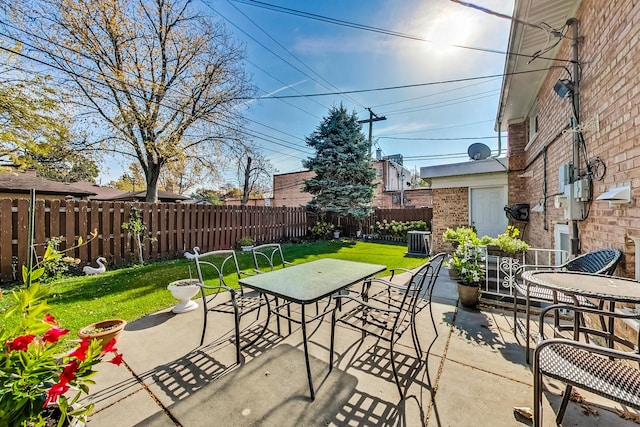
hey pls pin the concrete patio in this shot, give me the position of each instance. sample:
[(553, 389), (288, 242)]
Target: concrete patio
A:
[(475, 374)]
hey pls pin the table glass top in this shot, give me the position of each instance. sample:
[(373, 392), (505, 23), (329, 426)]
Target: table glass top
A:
[(312, 281), (600, 286)]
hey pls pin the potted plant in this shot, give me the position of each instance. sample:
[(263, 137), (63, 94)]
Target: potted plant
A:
[(458, 235), (184, 290), (468, 264), (35, 359), (507, 244), (104, 331), (246, 243)]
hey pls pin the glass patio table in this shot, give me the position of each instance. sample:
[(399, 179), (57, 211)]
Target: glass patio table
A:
[(308, 283), (596, 286)]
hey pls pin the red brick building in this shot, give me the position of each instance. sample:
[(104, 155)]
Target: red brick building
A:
[(393, 189)]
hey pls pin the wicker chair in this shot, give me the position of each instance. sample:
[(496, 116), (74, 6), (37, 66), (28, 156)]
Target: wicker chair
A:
[(600, 370), (602, 261), (214, 266), (387, 314)]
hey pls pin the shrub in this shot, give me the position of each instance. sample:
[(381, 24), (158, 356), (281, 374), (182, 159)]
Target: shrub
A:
[(322, 230), (397, 228)]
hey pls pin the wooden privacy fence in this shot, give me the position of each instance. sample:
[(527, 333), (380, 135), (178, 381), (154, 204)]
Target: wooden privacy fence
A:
[(174, 227)]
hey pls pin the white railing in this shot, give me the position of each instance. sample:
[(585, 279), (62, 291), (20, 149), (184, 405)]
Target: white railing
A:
[(503, 271)]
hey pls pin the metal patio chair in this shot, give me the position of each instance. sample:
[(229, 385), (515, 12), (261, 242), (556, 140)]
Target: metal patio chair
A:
[(604, 371), (388, 313), (602, 261), (213, 266)]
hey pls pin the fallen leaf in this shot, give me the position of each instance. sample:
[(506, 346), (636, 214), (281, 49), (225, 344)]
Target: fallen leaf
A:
[(524, 411), (628, 415), (576, 397), (267, 373), (589, 410)]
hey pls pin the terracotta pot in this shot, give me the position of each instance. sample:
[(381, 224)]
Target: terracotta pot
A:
[(104, 331), (468, 295)]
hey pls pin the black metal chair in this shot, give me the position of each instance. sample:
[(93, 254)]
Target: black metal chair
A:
[(602, 261), (600, 370), (268, 257), (213, 266), (388, 313)]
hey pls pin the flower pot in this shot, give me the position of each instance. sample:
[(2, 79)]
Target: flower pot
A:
[(452, 274), (184, 290), (468, 295), (246, 248), (358, 234), (105, 330), (336, 234)]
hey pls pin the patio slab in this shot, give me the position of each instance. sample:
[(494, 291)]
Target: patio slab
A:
[(473, 373)]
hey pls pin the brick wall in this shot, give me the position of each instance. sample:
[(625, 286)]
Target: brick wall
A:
[(287, 189), (450, 209), (609, 90)]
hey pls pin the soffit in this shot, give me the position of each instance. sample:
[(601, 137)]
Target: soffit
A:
[(519, 90)]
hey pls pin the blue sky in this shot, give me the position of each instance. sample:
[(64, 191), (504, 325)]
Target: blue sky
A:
[(304, 56)]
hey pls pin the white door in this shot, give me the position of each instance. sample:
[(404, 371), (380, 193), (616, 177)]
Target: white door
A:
[(486, 207)]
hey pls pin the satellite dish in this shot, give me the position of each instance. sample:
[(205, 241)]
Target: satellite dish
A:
[(478, 151)]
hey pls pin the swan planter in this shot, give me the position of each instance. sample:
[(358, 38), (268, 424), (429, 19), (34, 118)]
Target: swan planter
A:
[(89, 270), (184, 290)]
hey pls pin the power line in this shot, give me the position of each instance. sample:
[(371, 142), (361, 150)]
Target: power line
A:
[(363, 27), (437, 139), (380, 89), (330, 85)]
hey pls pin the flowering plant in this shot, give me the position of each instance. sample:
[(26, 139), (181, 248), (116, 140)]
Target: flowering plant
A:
[(35, 371), (468, 263), (510, 242)]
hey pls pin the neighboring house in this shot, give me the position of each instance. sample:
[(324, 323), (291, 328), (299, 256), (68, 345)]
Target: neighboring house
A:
[(139, 196), (393, 189), (469, 193), (100, 192), (584, 178), (18, 184)]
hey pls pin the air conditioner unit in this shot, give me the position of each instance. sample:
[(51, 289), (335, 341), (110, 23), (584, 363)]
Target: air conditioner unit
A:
[(417, 242)]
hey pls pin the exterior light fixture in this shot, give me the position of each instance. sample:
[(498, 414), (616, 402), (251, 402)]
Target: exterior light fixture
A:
[(563, 87)]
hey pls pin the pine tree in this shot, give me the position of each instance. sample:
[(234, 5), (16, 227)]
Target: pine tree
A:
[(343, 183)]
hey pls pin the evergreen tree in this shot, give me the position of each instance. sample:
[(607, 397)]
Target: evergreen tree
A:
[(343, 183)]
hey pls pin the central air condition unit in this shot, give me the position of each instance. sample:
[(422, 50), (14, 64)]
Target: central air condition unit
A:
[(417, 242)]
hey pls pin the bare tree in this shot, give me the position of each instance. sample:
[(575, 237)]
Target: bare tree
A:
[(166, 81), (254, 172)]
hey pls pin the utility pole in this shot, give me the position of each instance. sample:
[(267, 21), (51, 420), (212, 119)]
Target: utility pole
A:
[(372, 118)]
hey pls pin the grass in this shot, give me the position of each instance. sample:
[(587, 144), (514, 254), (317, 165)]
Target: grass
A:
[(133, 292)]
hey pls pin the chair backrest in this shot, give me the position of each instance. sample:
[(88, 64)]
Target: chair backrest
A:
[(427, 273), (268, 257), (215, 265), (602, 261)]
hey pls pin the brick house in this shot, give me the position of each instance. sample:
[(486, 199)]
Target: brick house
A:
[(473, 192), (564, 167), (392, 180)]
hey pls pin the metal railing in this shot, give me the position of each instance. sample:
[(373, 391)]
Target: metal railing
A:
[(503, 271)]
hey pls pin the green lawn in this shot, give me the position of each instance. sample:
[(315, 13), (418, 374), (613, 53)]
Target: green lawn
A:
[(130, 293)]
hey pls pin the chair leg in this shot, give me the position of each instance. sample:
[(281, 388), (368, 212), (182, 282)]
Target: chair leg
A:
[(237, 322), (537, 394), (563, 405), (333, 333), (395, 372), (433, 320)]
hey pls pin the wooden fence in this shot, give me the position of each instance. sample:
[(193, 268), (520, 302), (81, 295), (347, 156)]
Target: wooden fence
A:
[(171, 228), (174, 228)]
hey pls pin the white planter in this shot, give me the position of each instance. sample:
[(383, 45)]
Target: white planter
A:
[(246, 248), (358, 234), (184, 290), (336, 234)]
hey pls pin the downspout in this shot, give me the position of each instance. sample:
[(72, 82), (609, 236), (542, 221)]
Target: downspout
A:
[(573, 22)]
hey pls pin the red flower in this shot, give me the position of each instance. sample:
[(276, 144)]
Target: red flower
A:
[(54, 392), (69, 372), (110, 347), (20, 343), (50, 319), (54, 334), (80, 353), (117, 360)]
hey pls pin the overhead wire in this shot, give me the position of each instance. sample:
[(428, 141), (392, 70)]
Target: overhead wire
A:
[(363, 27), (330, 85)]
